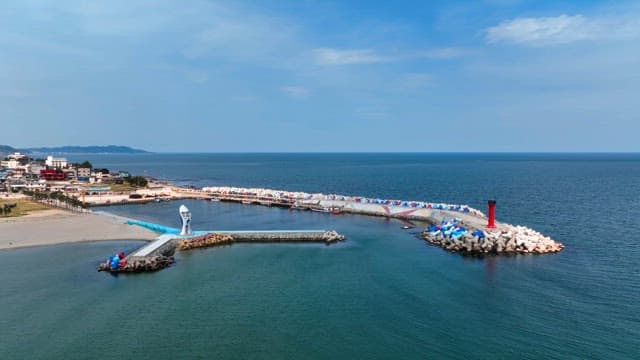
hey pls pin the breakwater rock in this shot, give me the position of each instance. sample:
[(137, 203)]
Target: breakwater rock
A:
[(212, 239), (139, 264), (215, 239), (503, 240), (332, 236)]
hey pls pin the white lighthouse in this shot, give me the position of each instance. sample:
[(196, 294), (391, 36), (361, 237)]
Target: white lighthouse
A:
[(185, 215)]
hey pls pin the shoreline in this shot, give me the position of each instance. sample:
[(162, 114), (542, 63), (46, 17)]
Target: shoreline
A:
[(55, 227), (475, 237)]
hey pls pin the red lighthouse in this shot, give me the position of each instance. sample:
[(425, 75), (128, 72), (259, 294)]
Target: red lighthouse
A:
[(492, 214)]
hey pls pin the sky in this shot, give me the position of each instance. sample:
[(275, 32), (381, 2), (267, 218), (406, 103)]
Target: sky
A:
[(322, 76)]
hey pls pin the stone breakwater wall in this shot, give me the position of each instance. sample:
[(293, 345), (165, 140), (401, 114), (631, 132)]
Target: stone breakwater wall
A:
[(136, 264), (327, 237), (223, 238), (212, 239), (162, 256), (503, 240)]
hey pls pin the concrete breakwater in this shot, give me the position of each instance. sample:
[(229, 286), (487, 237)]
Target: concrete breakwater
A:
[(503, 238), (365, 205)]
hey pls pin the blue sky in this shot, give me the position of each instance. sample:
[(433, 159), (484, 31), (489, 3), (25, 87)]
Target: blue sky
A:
[(209, 76)]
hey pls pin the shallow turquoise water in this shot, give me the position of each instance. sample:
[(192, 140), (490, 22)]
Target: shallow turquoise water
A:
[(381, 294)]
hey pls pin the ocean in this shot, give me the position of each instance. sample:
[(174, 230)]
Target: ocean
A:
[(381, 294)]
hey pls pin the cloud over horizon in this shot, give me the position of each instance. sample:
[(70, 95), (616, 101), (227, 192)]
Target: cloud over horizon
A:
[(563, 29)]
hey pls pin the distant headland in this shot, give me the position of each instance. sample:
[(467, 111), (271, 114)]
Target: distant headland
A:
[(108, 149)]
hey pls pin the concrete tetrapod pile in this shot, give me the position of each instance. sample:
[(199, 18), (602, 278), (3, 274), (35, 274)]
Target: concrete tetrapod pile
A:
[(504, 239)]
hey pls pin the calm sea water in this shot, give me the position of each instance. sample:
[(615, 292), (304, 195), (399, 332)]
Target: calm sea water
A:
[(381, 294)]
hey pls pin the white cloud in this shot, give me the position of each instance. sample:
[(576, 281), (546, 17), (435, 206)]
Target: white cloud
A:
[(247, 37), (329, 56), (332, 57), (297, 92), (563, 29)]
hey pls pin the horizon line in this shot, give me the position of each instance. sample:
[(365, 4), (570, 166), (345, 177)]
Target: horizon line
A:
[(368, 152)]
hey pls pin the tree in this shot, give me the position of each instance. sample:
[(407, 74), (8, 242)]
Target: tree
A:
[(86, 164), (139, 181)]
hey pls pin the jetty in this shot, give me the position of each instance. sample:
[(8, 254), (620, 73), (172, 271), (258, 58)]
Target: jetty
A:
[(158, 254)]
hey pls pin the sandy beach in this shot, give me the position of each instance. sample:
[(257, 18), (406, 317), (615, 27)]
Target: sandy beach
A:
[(50, 227)]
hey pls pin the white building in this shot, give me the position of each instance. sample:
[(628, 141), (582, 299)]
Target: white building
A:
[(14, 161), (16, 156), (56, 162), (10, 164), (84, 173)]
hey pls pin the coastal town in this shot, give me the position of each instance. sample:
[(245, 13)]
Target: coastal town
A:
[(57, 181)]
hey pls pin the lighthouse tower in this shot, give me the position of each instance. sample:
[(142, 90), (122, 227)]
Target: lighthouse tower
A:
[(185, 216)]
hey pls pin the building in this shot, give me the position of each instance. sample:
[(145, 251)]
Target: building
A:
[(84, 173), (56, 162), (99, 175), (52, 174), (70, 174), (17, 156), (10, 164), (34, 168), (98, 190), (36, 186), (14, 161)]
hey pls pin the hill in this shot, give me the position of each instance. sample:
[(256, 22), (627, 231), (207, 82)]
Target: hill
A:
[(6, 150), (109, 149)]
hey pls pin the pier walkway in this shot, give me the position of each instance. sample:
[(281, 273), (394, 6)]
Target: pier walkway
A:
[(153, 246)]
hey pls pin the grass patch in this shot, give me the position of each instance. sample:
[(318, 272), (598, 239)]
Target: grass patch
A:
[(122, 187), (23, 207)]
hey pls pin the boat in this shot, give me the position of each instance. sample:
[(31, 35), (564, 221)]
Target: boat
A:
[(407, 227), (330, 210)]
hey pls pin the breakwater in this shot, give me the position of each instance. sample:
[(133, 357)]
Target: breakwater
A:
[(132, 264), (355, 204), (224, 238), (159, 253), (472, 233)]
